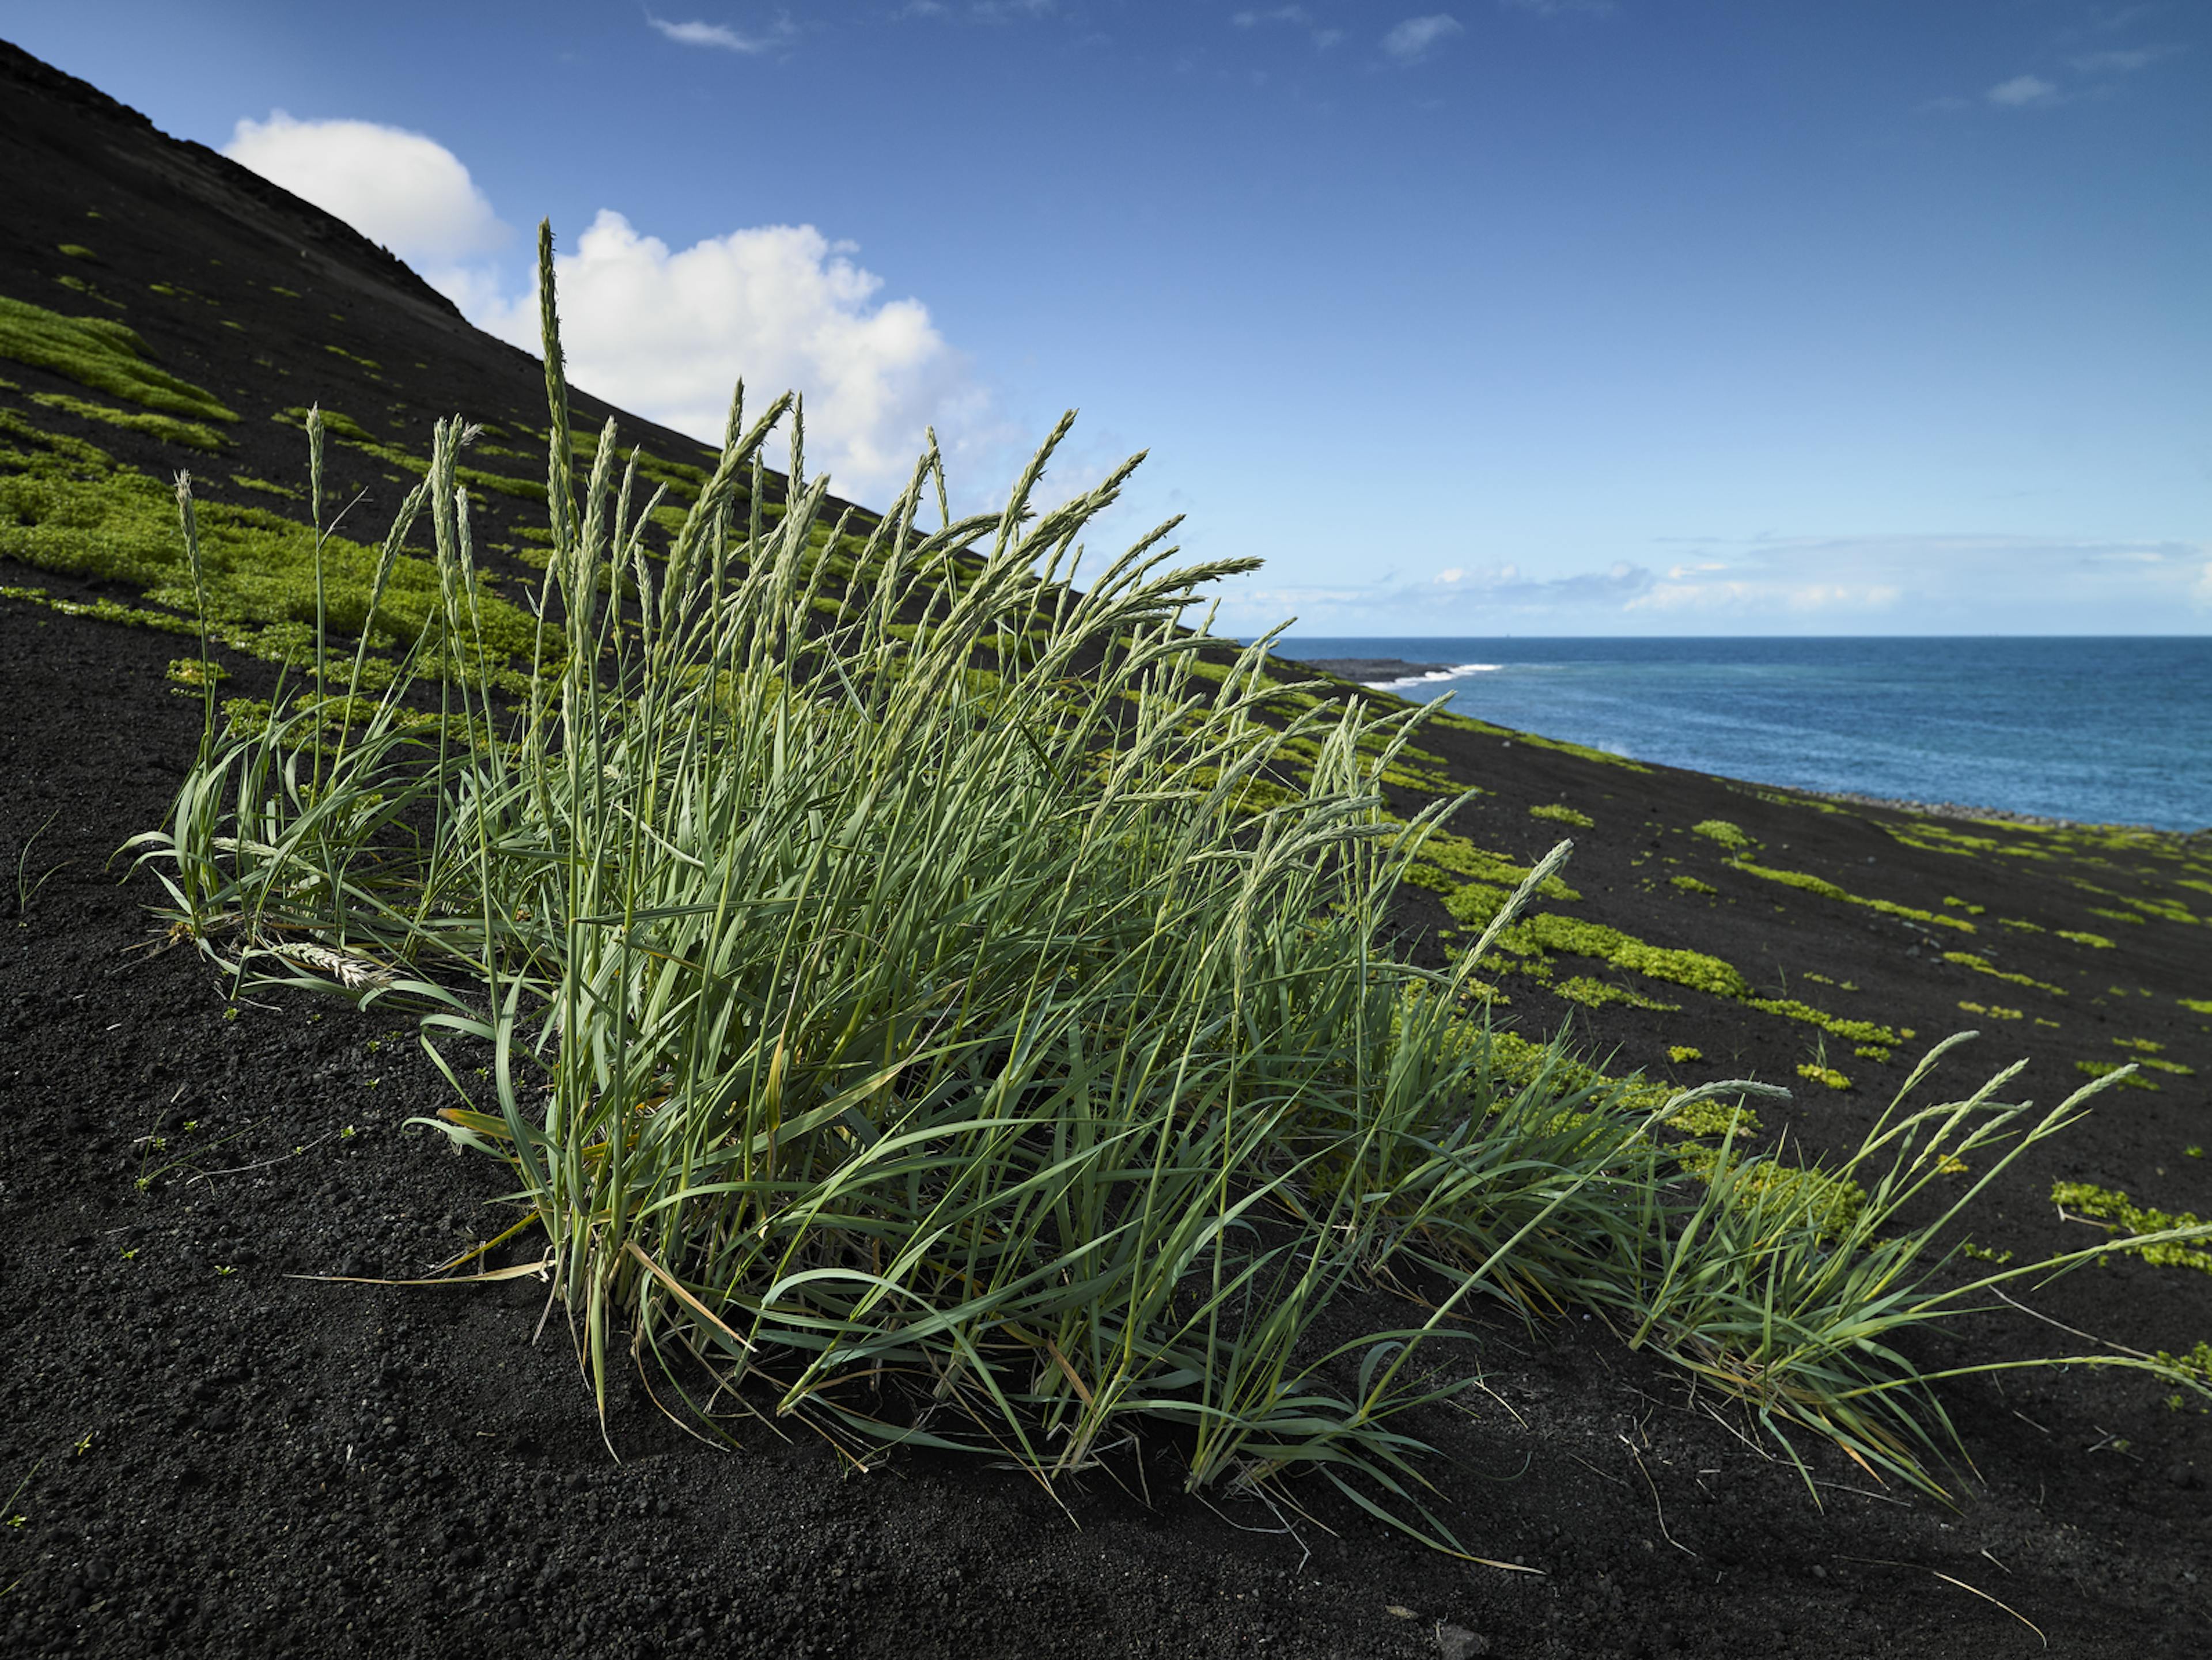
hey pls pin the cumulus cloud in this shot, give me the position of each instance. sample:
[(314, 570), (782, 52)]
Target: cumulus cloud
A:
[(2021, 91), (1411, 42), (722, 37), (662, 331), (667, 332), (403, 189)]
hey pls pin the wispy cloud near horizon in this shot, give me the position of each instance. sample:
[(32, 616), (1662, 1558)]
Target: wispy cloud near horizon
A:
[(1903, 583)]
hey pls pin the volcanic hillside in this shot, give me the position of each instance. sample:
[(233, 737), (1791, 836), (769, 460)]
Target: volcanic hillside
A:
[(212, 1451)]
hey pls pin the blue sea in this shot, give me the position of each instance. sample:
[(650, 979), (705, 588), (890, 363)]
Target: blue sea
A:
[(2112, 731)]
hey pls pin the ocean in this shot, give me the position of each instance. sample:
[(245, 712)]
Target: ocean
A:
[(2108, 730)]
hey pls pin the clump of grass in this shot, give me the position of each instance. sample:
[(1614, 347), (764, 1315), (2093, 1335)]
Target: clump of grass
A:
[(911, 1006)]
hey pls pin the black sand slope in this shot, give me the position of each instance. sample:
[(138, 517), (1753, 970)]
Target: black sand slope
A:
[(206, 1451)]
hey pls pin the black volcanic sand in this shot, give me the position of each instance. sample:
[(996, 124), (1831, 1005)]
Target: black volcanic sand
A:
[(221, 1453)]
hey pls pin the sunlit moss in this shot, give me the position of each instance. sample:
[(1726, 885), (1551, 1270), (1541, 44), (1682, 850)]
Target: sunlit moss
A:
[(1719, 830), (1983, 965), (70, 509), (192, 435), (2109, 1205), (1595, 993), (1560, 813), (2095, 941), (1683, 968), (104, 355), (2134, 1080), (1827, 890)]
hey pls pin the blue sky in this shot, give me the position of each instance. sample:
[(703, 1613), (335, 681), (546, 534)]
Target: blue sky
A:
[(1529, 316)]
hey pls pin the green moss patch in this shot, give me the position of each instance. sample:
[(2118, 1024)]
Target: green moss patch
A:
[(1983, 965), (2108, 1205), (1558, 745), (104, 355), (1719, 830), (1691, 884), (354, 435), (67, 508), (2095, 941), (1683, 968), (2134, 1080), (192, 435), (1595, 993), (1560, 814), (1827, 890)]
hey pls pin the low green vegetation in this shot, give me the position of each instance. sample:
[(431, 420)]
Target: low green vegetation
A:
[(911, 1012), (67, 506), (1596, 993), (1560, 813), (354, 435), (1828, 890), (1691, 884), (2145, 1232), (1983, 965), (101, 355), (1532, 740), (192, 435), (1720, 831), (2120, 1071)]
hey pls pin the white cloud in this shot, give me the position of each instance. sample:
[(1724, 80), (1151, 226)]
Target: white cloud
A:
[(1411, 41), (722, 37), (400, 188), (666, 333), (1296, 17), (1874, 584), (2124, 62), (2021, 91)]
